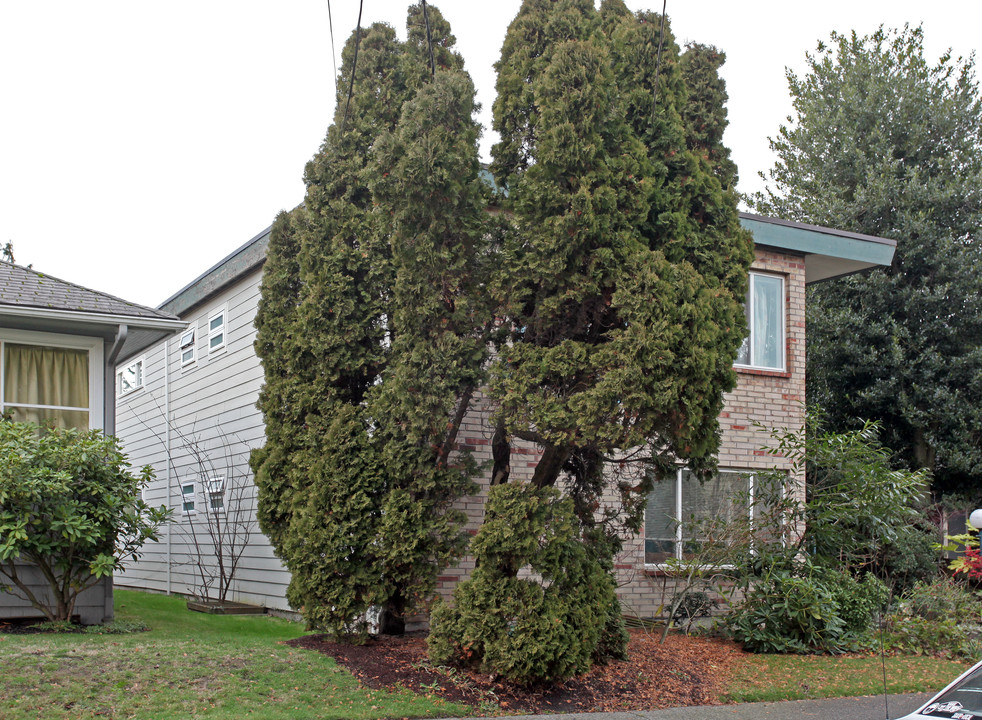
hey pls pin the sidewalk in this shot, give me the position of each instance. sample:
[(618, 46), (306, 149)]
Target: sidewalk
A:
[(855, 708)]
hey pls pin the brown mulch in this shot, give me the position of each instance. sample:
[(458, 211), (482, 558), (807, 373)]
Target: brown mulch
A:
[(682, 671)]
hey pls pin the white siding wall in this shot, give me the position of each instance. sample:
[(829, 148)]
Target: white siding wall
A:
[(212, 408)]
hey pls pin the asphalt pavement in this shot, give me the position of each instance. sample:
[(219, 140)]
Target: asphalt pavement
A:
[(855, 708)]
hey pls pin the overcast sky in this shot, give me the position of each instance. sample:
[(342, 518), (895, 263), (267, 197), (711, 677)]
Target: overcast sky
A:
[(140, 143)]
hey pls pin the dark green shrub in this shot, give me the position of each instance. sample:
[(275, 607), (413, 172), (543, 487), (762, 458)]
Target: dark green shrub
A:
[(861, 601), (784, 613), (544, 626)]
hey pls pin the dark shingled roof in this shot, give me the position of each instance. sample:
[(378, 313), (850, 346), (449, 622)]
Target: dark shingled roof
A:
[(23, 287)]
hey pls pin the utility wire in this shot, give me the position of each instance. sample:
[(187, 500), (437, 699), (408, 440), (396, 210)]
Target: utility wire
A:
[(429, 40), (354, 67), (661, 37), (334, 59)]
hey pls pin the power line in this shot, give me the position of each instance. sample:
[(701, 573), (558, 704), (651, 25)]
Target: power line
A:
[(661, 37), (354, 67), (429, 40), (334, 60)]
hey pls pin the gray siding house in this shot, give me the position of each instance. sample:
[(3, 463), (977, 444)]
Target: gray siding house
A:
[(59, 346), (195, 419)]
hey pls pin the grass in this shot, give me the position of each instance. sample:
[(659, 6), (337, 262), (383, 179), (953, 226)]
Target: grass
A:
[(188, 665), (767, 678), (191, 665)]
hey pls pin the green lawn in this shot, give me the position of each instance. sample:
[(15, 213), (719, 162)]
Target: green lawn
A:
[(189, 665), (765, 678)]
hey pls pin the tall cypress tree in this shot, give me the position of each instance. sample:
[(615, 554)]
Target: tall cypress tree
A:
[(622, 279), (354, 483)]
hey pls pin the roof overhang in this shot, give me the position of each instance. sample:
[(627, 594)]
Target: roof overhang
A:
[(216, 278), (141, 332), (828, 253)]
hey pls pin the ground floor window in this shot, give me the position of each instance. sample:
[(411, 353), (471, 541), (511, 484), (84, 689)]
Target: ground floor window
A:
[(679, 502), (48, 384)]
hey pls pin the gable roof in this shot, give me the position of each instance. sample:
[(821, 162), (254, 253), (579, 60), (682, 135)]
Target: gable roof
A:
[(30, 300)]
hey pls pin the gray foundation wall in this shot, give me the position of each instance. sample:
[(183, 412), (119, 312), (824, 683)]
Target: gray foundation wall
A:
[(93, 607)]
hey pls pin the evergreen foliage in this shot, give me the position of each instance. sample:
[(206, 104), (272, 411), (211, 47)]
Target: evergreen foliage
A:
[(600, 313), (545, 627), (625, 267), (372, 338), (887, 144)]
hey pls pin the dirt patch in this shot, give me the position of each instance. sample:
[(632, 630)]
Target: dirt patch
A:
[(682, 671)]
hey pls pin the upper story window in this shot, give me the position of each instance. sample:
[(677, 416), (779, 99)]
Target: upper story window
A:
[(763, 347), (187, 347), (129, 378), (187, 498), (678, 505), (44, 382), (215, 488), (217, 323)]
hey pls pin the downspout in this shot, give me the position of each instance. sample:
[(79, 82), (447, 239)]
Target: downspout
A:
[(167, 449), (109, 428), (109, 382)]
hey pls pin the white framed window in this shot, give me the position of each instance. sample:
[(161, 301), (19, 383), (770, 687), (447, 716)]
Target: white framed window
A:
[(130, 377), (187, 498), (765, 308), (217, 329), (215, 494), (186, 347), (677, 504), (51, 379)]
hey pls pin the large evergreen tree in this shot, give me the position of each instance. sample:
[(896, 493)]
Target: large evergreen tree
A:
[(371, 337), (887, 144), (621, 281)]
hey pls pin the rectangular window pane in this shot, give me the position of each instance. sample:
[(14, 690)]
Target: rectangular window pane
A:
[(215, 341), (216, 322), (659, 522), (767, 334), (36, 375), (719, 501), (187, 356)]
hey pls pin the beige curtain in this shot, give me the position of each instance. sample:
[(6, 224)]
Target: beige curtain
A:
[(47, 376)]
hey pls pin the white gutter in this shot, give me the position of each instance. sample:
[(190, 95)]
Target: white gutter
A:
[(134, 321)]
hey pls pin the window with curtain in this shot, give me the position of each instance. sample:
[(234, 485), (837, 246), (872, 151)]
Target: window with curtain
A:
[(46, 385), (765, 311), (682, 500)]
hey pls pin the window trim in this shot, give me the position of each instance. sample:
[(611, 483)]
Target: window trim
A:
[(97, 368), (141, 382), (221, 330), (783, 344), (191, 345), (679, 540)]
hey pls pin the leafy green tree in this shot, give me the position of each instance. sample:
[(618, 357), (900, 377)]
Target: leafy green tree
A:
[(885, 143), (70, 507), (373, 336)]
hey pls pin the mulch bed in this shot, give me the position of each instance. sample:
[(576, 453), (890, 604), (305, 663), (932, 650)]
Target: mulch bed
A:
[(682, 671)]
